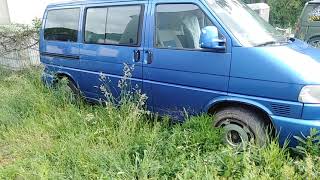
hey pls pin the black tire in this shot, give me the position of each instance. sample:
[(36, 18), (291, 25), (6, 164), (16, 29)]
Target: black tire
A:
[(76, 93), (75, 90), (315, 42), (241, 126)]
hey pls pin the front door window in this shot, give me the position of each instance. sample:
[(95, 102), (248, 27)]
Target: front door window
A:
[(178, 26)]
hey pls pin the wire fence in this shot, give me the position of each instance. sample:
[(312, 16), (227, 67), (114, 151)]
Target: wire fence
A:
[(22, 59)]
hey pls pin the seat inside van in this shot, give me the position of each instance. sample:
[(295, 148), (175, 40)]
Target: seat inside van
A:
[(178, 32)]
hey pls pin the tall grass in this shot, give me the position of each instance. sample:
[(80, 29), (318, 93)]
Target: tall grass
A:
[(44, 135)]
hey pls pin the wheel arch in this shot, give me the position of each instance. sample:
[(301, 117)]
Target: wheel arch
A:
[(59, 75), (254, 106), (314, 36)]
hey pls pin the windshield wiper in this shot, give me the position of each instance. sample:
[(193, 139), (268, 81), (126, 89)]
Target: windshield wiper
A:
[(274, 43), (267, 43)]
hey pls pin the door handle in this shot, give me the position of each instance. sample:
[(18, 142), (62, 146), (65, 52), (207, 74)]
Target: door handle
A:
[(136, 55), (149, 56)]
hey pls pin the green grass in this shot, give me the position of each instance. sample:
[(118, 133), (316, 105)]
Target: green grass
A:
[(43, 135)]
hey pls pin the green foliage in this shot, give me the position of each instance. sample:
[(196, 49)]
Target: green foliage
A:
[(310, 144), (44, 135), (36, 25), (285, 13)]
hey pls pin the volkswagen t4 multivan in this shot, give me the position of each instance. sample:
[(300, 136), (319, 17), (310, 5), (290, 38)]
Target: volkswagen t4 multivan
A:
[(195, 56)]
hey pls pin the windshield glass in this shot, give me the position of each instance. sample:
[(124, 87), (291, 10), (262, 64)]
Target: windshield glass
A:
[(245, 24)]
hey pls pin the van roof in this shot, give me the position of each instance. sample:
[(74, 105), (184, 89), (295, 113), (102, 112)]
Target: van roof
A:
[(83, 2), (314, 1)]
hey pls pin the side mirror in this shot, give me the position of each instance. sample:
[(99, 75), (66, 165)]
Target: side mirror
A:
[(209, 39)]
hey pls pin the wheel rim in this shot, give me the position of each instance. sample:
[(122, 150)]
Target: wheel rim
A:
[(236, 133), (315, 44)]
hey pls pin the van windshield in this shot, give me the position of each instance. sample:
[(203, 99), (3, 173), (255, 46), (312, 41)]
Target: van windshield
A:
[(245, 24)]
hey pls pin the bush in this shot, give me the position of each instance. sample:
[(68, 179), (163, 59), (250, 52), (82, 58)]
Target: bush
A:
[(17, 37)]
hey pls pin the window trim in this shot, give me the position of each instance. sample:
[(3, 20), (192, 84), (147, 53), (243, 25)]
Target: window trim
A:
[(182, 49), (140, 25), (46, 22)]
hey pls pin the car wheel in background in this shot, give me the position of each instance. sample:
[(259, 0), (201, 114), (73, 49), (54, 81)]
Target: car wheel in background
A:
[(315, 42)]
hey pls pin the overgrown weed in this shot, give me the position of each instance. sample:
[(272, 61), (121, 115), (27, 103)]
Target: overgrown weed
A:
[(44, 135)]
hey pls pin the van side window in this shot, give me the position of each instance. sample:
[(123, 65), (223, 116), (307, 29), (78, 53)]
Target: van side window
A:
[(62, 25), (118, 25), (96, 25), (178, 26)]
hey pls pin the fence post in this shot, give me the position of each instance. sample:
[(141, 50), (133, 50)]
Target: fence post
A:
[(4, 12)]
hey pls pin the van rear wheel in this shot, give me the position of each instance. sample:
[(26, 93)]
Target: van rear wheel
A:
[(74, 89), (241, 126), (71, 89)]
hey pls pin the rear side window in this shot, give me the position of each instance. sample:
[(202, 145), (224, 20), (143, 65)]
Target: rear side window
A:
[(96, 25), (62, 25), (117, 25)]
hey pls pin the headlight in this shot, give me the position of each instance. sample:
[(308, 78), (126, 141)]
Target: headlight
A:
[(310, 94)]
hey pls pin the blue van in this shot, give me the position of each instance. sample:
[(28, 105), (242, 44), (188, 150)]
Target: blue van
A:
[(196, 56)]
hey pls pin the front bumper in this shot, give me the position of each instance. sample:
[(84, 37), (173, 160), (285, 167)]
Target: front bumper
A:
[(289, 127)]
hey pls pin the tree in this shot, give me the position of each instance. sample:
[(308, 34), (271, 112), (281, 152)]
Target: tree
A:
[(285, 13)]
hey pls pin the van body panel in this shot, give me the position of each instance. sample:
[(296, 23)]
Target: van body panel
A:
[(178, 85), (270, 106), (98, 60), (311, 112), (289, 127), (58, 52), (193, 99), (180, 81), (58, 55), (266, 89), (296, 63), (107, 61)]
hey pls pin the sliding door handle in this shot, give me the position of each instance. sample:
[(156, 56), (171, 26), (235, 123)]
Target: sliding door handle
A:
[(149, 56), (136, 55)]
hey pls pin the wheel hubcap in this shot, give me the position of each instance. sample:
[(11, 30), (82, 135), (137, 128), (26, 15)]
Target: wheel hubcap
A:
[(234, 137), (236, 133)]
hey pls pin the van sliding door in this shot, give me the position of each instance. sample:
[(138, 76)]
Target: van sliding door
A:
[(113, 47)]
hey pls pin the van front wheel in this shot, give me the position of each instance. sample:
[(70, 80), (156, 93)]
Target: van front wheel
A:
[(241, 126)]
